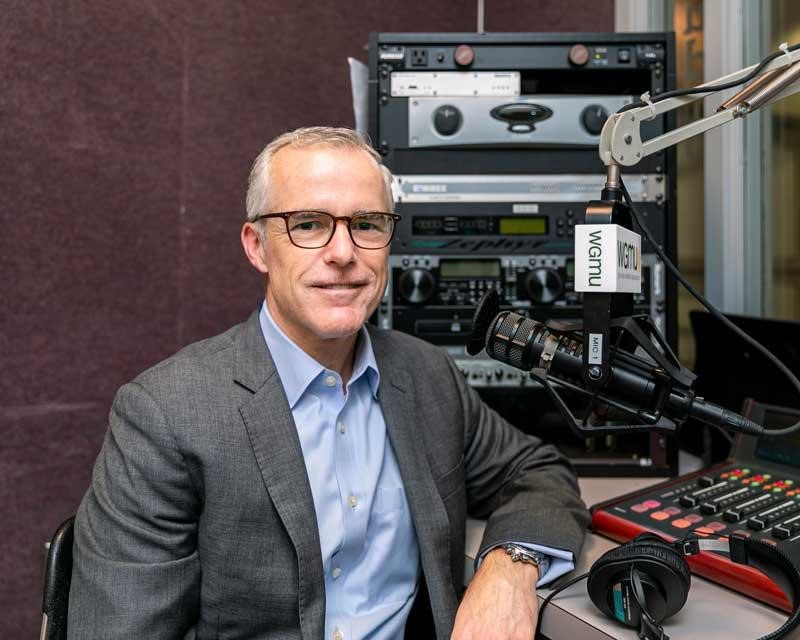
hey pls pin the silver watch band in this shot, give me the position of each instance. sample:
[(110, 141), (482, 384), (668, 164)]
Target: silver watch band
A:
[(521, 554)]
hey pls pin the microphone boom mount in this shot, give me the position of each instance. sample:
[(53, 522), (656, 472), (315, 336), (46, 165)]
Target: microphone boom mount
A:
[(617, 360), (534, 346), (646, 382)]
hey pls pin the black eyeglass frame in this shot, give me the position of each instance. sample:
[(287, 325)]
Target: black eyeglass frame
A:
[(286, 215)]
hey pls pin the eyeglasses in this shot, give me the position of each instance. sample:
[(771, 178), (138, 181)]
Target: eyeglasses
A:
[(314, 229)]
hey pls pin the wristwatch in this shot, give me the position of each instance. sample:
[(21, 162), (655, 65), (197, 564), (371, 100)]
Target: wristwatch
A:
[(521, 554)]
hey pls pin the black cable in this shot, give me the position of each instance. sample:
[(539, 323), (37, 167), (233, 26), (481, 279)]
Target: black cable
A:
[(712, 87), (647, 623), (558, 590), (713, 310)]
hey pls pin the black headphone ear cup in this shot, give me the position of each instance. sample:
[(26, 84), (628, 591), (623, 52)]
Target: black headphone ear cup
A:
[(665, 576)]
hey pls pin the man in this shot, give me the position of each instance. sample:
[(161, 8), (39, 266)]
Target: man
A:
[(304, 476)]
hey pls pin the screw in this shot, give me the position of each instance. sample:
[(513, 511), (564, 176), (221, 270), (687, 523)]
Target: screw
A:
[(595, 373), (628, 139)]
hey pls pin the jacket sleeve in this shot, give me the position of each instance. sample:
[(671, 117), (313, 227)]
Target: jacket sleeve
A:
[(136, 572), (525, 489)]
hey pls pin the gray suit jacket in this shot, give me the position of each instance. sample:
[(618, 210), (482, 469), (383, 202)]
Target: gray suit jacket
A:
[(199, 521)]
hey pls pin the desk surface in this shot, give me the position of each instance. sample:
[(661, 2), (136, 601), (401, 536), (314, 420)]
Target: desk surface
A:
[(712, 612)]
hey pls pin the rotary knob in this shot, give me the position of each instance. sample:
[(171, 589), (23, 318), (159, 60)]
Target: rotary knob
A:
[(447, 120), (416, 285), (579, 55), (464, 55), (593, 118), (543, 285)]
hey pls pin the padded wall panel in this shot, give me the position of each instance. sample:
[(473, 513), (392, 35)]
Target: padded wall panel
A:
[(46, 462), (90, 181), (91, 141), (126, 137)]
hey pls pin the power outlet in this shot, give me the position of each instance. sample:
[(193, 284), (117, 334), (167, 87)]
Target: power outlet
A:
[(419, 57)]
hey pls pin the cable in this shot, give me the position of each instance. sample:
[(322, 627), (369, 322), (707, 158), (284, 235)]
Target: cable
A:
[(711, 87), (554, 592), (647, 623), (713, 310)]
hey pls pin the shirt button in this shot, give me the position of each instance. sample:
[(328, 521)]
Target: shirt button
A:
[(330, 381), (341, 427), (336, 572), (338, 635), (352, 501)]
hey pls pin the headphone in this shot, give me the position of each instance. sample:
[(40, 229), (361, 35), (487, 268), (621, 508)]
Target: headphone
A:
[(647, 580)]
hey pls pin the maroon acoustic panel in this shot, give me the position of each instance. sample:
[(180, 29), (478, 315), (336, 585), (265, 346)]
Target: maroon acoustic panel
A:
[(46, 462), (127, 133), (90, 181)]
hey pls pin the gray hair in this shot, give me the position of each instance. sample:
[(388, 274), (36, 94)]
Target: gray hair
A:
[(258, 188)]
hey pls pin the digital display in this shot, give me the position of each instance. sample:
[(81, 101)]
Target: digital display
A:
[(780, 449), (570, 269), (523, 226), (451, 225), (469, 268)]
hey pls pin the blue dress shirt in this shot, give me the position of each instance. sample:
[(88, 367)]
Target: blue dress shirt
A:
[(370, 555)]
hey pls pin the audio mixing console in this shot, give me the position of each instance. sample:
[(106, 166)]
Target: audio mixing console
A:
[(756, 493)]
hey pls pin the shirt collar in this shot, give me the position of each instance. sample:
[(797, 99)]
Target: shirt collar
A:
[(297, 370)]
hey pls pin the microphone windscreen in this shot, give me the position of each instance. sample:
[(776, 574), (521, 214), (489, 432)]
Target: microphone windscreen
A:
[(510, 334)]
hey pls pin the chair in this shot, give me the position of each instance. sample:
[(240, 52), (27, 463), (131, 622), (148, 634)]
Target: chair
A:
[(58, 576)]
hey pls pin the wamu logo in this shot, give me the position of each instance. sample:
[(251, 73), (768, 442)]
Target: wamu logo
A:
[(627, 256), (595, 259)]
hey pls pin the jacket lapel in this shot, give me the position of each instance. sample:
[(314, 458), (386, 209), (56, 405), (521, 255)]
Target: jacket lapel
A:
[(273, 435), (404, 426)]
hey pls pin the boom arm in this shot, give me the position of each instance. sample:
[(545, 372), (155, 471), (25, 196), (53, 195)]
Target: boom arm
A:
[(621, 140)]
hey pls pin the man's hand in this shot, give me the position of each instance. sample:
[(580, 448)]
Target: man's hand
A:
[(500, 602)]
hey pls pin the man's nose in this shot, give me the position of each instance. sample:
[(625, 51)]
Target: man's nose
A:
[(341, 247)]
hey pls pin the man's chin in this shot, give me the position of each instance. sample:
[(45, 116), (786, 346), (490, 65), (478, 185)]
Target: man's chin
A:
[(339, 323)]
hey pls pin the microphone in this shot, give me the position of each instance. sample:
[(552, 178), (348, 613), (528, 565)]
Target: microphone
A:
[(527, 344)]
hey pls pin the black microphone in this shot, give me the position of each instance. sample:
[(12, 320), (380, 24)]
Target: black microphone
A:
[(520, 341)]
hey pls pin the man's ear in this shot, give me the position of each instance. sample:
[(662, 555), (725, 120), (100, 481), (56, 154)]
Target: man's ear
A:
[(254, 246)]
